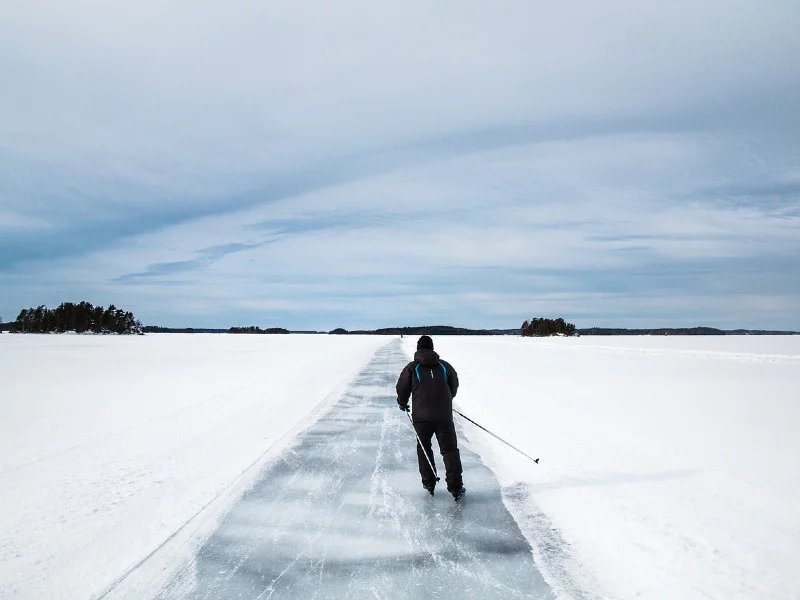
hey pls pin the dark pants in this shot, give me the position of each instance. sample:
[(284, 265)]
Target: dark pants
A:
[(448, 445)]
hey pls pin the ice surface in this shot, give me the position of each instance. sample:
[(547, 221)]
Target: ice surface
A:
[(342, 514)]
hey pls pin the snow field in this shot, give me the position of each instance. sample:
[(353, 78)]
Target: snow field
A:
[(668, 464), (109, 445)]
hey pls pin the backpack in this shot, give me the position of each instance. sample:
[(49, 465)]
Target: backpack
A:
[(422, 375)]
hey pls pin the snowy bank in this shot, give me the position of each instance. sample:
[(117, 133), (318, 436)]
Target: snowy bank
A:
[(108, 446), (668, 464)]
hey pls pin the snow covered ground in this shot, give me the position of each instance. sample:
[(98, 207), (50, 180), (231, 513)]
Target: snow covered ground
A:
[(108, 445), (668, 464)]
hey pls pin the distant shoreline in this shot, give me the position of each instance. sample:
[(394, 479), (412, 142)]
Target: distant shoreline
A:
[(446, 330)]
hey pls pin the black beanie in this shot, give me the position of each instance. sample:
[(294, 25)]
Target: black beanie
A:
[(425, 343)]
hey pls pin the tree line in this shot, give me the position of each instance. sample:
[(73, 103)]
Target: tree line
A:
[(159, 329), (80, 318), (254, 329), (545, 327), (425, 330)]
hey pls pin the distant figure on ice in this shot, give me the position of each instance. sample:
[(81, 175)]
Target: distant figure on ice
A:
[(432, 383)]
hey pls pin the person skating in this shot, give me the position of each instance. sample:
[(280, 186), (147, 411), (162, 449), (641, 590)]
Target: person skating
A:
[(431, 383)]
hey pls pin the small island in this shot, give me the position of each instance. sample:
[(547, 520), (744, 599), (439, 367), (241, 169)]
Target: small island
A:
[(79, 318), (546, 327)]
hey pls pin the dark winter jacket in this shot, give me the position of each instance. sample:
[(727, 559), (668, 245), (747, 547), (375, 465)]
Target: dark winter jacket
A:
[(431, 383)]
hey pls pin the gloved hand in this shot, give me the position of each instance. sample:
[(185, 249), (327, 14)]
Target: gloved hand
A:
[(404, 407)]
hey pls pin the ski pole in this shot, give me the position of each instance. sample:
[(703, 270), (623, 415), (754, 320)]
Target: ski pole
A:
[(536, 460), (419, 441)]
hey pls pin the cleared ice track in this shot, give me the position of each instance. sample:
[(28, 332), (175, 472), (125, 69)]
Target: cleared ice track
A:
[(342, 514)]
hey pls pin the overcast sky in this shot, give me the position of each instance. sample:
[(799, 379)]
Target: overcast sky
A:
[(364, 164)]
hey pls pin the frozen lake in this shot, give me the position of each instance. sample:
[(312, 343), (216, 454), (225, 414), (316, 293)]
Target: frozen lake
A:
[(197, 466)]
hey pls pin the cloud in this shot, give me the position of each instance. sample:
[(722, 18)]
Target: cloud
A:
[(451, 239), (159, 269), (332, 163), (164, 270)]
